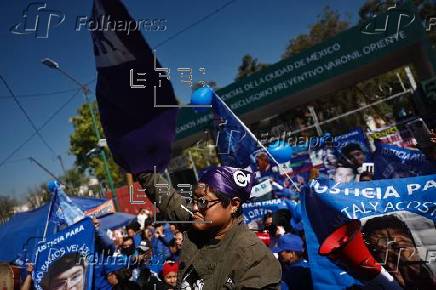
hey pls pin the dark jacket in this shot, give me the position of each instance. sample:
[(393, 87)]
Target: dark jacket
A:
[(238, 261), (128, 285), (297, 275)]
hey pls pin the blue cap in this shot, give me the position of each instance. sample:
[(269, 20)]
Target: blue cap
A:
[(289, 242)]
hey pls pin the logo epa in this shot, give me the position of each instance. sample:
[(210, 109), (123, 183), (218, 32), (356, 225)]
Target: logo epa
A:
[(39, 20)]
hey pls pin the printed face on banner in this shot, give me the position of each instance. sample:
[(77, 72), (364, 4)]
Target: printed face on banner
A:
[(63, 259), (344, 175), (71, 279), (352, 148), (262, 162), (398, 224), (398, 246)]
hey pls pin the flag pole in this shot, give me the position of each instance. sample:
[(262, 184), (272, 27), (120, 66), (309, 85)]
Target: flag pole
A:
[(55, 192), (85, 92), (50, 208)]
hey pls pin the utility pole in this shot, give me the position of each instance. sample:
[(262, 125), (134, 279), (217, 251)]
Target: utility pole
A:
[(85, 91)]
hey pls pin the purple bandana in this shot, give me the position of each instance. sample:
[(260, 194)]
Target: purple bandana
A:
[(233, 182)]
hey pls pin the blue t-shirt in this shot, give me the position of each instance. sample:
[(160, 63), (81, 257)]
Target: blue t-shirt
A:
[(100, 281), (137, 240)]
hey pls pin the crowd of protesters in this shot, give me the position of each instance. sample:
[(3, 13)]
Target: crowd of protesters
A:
[(148, 255), (281, 231), (286, 237), (144, 255)]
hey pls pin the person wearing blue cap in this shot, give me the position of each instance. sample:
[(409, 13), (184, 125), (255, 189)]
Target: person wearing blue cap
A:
[(218, 251), (295, 269)]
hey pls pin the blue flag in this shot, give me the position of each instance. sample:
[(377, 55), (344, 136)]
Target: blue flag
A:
[(64, 259), (235, 141), (398, 224), (136, 100), (64, 212), (238, 147)]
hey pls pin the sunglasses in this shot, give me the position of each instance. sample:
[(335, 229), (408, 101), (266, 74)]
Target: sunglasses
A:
[(203, 203)]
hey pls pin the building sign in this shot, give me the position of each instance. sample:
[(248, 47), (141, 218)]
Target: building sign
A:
[(335, 56)]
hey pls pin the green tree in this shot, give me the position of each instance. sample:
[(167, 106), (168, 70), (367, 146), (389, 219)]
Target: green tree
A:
[(73, 179), (37, 195), (198, 84), (361, 94), (249, 66), (83, 139), (7, 205), (328, 24), (203, 154)]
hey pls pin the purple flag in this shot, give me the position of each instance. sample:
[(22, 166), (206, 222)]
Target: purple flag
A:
[(138, 132)]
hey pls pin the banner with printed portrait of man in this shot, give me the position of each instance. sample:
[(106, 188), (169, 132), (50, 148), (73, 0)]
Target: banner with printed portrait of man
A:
[(397, 219), (352, 148), (62, 260)]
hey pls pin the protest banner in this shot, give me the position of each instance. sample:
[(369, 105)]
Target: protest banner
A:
[(398, 224), (355, 137), (301, 165), (63, 256), (325, 160), (391, 161), (103, 209), (254, 212), (332, 151), (64, 212), (392, 135)]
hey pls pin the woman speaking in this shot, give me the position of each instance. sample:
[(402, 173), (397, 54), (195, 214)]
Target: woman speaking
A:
[(219, 251)]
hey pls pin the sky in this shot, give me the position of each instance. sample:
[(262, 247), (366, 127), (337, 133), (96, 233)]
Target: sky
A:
[(218, 43)]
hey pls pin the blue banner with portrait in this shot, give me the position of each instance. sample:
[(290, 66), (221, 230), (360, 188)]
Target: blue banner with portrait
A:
[(349, 145), (398, 225), (391, 161), (63, 258)]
